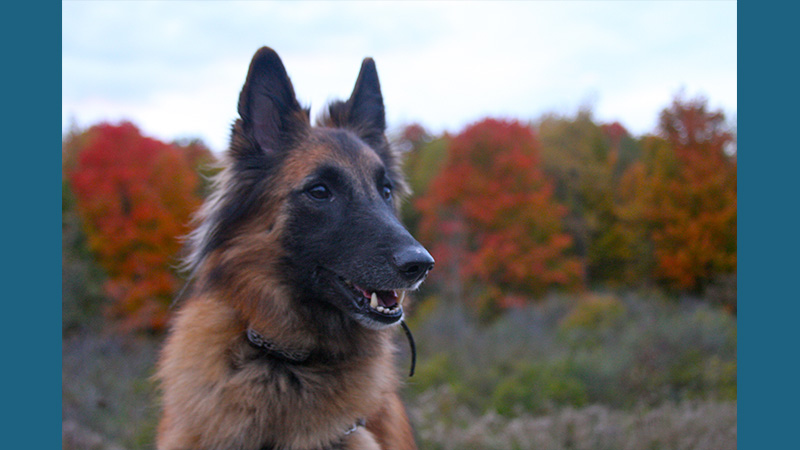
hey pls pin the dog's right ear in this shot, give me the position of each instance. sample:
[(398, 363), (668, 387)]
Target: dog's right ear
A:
[(271, 115)]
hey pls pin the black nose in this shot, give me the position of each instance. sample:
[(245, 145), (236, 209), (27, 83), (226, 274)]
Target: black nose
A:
[(413, 262)]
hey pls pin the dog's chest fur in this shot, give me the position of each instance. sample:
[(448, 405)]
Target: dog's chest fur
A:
[(221, 392)]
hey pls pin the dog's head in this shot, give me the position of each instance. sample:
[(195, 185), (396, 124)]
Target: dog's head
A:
[(312, 209)]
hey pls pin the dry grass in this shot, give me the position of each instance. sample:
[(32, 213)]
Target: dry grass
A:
[(108, 397), (687, 425)]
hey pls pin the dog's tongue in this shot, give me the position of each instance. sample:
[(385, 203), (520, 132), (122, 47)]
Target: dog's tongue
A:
[(387, 299)]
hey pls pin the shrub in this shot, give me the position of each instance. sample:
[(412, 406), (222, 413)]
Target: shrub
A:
[(537, 388), (616, 350), (594, 312)]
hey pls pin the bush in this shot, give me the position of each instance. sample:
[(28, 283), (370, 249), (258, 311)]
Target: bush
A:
[(621, 351), (538, 388)]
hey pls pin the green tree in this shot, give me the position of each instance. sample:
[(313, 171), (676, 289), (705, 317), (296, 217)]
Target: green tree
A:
[(586, 160)]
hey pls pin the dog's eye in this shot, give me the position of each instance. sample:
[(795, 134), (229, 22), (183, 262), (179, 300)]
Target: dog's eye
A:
[(319, 192), (386, 191)]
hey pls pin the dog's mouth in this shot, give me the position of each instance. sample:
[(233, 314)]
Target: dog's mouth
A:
[(382, 306)]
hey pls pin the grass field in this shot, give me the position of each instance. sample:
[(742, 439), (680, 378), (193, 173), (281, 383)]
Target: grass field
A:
[(601, 371)]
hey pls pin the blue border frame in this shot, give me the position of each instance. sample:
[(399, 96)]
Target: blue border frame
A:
[(768, 229), (31, 332)]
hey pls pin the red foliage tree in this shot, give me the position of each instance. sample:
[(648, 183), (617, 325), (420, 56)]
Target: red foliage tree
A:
[(489, 216), (135, 196)]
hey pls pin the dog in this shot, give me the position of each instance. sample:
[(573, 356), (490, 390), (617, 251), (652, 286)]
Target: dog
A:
[(299, 267)]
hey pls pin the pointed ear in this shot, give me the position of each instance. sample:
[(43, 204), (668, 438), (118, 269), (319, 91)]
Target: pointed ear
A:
[(365, 105), (271, 115)]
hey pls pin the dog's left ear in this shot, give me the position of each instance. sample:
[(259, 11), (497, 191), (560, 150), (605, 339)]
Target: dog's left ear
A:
[(366, 103), (363, 112)]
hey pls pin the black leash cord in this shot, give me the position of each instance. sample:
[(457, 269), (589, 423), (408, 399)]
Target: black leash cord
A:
[(412, 345)]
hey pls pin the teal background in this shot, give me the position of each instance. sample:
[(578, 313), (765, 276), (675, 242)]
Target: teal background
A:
[(768, 224), (31, 307)]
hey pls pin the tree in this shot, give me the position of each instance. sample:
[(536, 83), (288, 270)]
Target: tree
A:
[(633, 202), (423, 158), (134, 196), (693, 206), (586, 160), (489, 216), (617, 241)]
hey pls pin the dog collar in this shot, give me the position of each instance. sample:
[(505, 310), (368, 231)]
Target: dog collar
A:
[(297, 357), (293, 356)]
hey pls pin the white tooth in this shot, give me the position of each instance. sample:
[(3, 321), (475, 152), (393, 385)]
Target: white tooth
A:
[(401, 297), (374, 300)]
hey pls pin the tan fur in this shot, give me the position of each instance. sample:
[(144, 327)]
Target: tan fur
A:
[(208, 406)]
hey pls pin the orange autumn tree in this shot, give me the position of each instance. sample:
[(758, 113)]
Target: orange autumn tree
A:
[(489, 217), (135, 196), (692, 199)]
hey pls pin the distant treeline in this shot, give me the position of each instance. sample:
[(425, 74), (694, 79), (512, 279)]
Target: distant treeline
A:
[(511, 210)]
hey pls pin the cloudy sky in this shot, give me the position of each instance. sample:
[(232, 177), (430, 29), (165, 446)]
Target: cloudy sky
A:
[(175, 68)]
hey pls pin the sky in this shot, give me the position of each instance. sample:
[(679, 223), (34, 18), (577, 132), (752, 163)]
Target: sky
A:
[(175, 68)]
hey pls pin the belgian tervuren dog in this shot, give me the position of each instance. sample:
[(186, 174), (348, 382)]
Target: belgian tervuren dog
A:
[(299, 271)]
